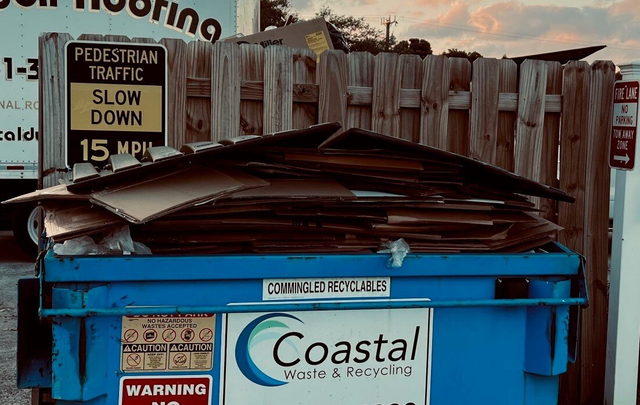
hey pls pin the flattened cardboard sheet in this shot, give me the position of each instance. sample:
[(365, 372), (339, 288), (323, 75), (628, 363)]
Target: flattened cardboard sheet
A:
[(141, 202)]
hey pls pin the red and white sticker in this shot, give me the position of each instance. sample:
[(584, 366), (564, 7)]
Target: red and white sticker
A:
[(168, 390)]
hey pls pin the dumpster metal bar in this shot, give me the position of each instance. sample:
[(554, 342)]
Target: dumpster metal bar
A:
[(309, 306)]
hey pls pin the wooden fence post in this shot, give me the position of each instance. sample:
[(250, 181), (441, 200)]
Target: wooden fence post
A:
[(361, 71), (573, 153), (551, 141), (508, 83), (484, 110), (530, 123), (225, 91), (199, 109), (177, 94), (386, 94), (458, 125), (594, 320), (252, 111), (332, 79), (278, 89), (304, 72), (410, 83), (51, 152), (434, 105)]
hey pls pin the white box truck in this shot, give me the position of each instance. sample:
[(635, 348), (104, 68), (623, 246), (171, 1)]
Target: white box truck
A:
[(22, 23)]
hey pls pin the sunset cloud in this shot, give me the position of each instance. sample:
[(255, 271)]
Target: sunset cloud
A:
[(495, 28)]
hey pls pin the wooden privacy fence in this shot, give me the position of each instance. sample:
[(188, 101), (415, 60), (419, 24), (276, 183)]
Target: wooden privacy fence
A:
[(542, 120)]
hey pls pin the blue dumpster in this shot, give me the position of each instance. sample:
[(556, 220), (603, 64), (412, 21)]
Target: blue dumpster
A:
[(307, 329)]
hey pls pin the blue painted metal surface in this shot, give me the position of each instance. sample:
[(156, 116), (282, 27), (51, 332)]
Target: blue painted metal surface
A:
[(485, 350)]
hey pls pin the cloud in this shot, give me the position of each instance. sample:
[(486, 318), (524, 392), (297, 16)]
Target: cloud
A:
[(515, 28)]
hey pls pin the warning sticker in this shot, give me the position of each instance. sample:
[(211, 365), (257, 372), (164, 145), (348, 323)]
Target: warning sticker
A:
[(159, 343), (178, 390)]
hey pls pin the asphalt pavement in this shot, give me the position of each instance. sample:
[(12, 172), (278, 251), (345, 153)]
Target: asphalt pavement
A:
[(13, 265)]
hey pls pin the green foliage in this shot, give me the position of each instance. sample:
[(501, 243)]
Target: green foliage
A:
[(413, 46), (458, 53), (357, 33), (275, 12)]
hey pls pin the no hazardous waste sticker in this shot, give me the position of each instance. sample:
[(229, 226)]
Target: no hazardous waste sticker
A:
[(167, 343)]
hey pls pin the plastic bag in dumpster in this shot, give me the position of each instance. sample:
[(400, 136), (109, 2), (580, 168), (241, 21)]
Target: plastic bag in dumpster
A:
[(117, 241), (398, 249)]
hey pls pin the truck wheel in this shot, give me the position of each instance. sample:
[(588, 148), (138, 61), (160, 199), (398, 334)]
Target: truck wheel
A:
[(26, 222)]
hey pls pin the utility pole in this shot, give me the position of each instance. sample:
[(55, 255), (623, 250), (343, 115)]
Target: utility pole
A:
[(388, 21)]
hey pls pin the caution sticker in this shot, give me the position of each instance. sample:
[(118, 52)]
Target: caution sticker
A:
[(159, 343)]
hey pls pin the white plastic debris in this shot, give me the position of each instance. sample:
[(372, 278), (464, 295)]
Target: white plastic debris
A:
[(398, 249), (84, 245), (117, 241)]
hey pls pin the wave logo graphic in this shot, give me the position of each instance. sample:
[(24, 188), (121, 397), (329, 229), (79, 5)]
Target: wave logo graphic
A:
[(259, 330)]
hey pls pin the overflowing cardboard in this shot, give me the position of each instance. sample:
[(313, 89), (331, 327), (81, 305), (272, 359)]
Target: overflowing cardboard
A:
[(307, 191)]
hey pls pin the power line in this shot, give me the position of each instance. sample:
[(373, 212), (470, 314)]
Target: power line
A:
[(388, 22)]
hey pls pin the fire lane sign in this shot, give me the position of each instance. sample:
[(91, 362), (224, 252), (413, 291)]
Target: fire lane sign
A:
[(622, 151), (116, 99)]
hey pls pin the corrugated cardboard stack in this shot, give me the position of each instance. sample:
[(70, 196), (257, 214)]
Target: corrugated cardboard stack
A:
[(306, 191)]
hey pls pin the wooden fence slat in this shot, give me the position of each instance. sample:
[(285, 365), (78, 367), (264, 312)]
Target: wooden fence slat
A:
[(199, 55), (361, 70), (530, 124), (411, 78), (278, 89), (91, 37), (332, 79), (225, 91), (573, 148), (458, 122), (435, 101), (251, 111), (177, 94), (551, 141), (484, 110), (506, 120), (594, 321), (116, 38), (51, 145), (573, 161), (386, 94), (304, 72), (138, 40)]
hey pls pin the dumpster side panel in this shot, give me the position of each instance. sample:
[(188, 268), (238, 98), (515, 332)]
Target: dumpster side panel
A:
[(547, 330), (540, 390), (476, 348), (484, 354)]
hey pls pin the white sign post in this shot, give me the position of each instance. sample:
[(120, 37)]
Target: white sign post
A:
[(623, 338)]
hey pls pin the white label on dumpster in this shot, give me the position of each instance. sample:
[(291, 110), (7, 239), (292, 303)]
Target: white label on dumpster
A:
[(327, 357), (342, 287), (160, 343)]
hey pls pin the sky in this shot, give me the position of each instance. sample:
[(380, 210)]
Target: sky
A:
[(496, 28)]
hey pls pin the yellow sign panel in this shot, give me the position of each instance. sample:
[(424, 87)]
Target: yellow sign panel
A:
[(115, 107), (317, 42)]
